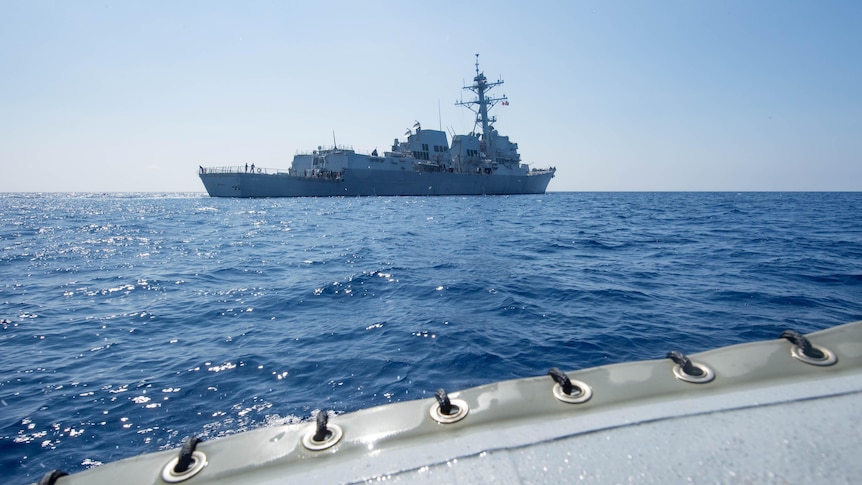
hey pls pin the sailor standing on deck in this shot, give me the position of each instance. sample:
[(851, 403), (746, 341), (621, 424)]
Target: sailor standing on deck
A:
[(246, 168)]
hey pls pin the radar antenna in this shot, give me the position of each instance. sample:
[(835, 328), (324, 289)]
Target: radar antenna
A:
[(482, 104)]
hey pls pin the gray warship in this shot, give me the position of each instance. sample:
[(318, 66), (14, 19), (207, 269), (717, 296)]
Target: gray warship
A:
[(480, 163)]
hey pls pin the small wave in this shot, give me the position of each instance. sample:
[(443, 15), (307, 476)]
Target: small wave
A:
[(231, 323)]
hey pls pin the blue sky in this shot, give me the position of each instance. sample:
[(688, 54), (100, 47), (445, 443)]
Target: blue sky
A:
[(671, 95)]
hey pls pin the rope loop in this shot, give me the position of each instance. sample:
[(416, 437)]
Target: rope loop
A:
[(684, 362), (51, 477), (324, 435), (563, 380), (187, 464), (568, 390), (803, 350), (184, 462), (688, 371), (448, 411), (321, 432), (444, 402), (804, 345)]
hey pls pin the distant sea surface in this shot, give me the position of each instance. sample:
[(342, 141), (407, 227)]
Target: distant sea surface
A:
[(131, 321)]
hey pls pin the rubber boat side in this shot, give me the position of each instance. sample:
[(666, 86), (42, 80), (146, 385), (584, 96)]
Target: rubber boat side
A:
[(772, 411)]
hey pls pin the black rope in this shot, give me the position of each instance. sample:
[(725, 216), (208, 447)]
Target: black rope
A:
[(51, 477), (443, 400), (563, 380), (804, 345), (186, 455), (322, 433), (685, 363)]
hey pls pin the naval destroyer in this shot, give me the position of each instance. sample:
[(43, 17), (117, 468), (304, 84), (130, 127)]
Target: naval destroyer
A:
[(483, 162)]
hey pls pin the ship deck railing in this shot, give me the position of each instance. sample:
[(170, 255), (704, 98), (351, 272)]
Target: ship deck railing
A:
[(331, 148), (272, 171), (541, 171), (242, 169)]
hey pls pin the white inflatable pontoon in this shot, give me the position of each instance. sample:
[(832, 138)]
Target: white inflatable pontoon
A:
[(780, 411)]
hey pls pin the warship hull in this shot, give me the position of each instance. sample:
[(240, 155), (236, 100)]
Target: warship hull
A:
[(232, 182)]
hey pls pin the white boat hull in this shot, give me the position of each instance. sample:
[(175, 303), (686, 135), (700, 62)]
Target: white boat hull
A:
[(766, 417)]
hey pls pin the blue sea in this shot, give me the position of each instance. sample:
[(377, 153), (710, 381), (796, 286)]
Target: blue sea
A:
[(131, 321)]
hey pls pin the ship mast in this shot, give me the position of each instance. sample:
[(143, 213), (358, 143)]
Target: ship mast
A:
[(483, 103)]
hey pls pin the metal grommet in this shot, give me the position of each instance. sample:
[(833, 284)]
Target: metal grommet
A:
[(707, 376), (803, 350), (459, 411), (827, 359), (199, 461), (581, 397), (333, 437)]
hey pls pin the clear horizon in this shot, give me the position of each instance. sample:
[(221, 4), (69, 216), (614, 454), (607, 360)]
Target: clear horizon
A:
[(643, 97)]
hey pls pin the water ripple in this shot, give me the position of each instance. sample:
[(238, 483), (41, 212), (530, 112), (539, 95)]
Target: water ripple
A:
[(130, 321)]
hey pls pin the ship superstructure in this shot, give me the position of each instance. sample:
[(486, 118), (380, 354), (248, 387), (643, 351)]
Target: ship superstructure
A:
[(481, 162)]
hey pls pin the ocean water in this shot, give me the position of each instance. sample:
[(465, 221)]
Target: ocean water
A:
[(131, 321)]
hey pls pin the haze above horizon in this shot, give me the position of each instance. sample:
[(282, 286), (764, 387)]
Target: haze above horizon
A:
[(634, 96)]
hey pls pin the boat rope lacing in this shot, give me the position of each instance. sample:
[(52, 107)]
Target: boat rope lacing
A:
[(568, 390), (803, 350), (688, 371), (447, 410), (187, 464), (51, 477), (324, 435)]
